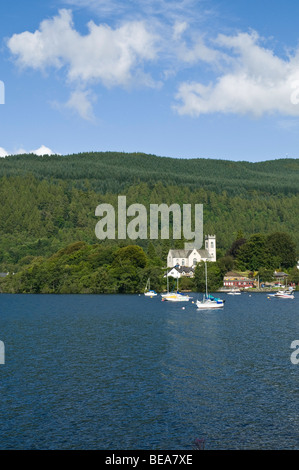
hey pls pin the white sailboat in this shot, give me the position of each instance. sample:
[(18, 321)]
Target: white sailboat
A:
[(208, 301), (148, 292), (175, 296)]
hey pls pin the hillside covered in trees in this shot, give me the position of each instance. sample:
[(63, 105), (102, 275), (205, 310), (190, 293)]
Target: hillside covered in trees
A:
[(112, 172), (48, 203)]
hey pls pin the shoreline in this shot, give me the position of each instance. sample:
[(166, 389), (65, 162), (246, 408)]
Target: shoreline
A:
[(249, 291)]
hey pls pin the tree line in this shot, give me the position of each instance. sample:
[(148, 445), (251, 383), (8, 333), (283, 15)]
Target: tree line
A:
[(101, 268)]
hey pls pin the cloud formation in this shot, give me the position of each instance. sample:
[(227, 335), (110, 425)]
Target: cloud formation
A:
[(3, 152), (247, 78), (42, 150), (111, 56), (255, 81)]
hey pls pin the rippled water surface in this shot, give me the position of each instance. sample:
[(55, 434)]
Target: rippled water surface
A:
[(130, 372)]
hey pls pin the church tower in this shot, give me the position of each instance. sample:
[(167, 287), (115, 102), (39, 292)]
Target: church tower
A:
[(210, 246)]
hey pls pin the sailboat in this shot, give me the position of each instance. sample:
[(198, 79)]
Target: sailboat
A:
[(208, 301), (148, 292), (175, 296)]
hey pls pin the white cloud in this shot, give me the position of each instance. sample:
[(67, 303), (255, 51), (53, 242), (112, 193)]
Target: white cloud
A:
[(178, 29), (257, 82), (110, 56), (81, 102), (42, 150), (3, 152), (199, 51), (249, 78)]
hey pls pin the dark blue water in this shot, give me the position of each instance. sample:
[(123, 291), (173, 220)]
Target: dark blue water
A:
[(130, 372)]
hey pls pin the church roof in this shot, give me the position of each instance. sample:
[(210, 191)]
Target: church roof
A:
[(204, 253), (180, 253), (186, 253)]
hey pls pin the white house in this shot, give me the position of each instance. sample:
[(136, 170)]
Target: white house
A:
[(179, 271), (190, 258)]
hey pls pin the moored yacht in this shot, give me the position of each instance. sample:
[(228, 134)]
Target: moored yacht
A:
[(209, 301), (148, 292), (282, 294)]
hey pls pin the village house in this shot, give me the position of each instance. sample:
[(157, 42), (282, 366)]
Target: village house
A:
[(280, 278), (179, 271), (234, 280)]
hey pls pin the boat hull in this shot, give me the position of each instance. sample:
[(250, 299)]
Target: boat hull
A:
[(282, 295), (175, 297), (208, 305), (150, 294)]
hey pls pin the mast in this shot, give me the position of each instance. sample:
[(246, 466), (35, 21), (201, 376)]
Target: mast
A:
[(206, 279)]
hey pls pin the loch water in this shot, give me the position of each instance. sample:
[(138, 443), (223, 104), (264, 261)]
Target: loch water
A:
[(119, 372)]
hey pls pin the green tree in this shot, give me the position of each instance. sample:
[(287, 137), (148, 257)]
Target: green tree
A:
[(265, 274), (214, 277), (226, 263), (294, 275), (235, 247), (130, 255), (281, 246), (253, 254)]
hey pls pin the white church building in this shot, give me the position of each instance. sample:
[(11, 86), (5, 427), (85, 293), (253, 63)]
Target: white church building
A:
[(189, 258)]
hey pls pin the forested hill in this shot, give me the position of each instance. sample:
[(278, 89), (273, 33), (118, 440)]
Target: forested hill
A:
[(49, 202), (114, 172)]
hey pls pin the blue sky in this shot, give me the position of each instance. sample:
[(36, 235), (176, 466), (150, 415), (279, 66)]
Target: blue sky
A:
[(187, 79)]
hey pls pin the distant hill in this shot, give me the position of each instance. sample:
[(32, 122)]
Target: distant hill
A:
[(113, 171)]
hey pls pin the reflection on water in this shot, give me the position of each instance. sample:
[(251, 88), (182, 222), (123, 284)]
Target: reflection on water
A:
[(129, 372)]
